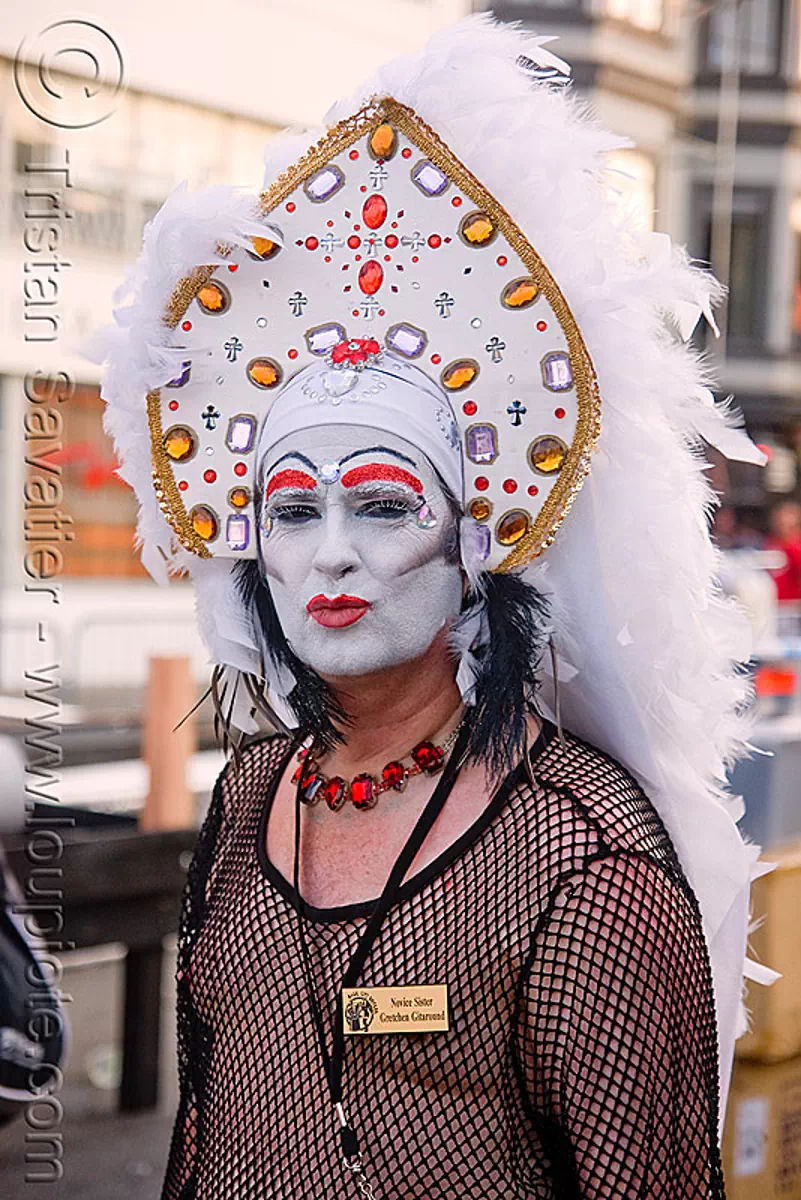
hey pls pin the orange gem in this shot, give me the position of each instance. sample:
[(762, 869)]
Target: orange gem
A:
[(204, 522), (383, 141), (520, 293), (179, 443), (546, 455), (213, 298), (477, 229), (480, 509), (238, 497), (511, 527), (264, 372), (263, 247), (459, 374)]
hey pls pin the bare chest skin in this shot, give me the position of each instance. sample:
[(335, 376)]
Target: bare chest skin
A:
[(347, 856)]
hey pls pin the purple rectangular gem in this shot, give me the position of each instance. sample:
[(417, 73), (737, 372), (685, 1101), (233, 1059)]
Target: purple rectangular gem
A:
[(237, 531), (323, 338), (482, 444), (324, 184), (241, 432), (483, 541), (183, 378), (429, 178), (557, 373), (408, 340)]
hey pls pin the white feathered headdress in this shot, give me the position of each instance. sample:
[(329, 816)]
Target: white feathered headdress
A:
[(647, 645)]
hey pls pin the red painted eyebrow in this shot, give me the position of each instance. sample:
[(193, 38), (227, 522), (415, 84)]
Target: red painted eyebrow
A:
[(291, 479), (370, 472)]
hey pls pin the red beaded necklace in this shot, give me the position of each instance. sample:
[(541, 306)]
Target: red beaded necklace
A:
[(364, 789)]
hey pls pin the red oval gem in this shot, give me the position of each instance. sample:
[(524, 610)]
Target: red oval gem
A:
[(334, 792), (362, 791), (374, 211), (428, 757), (371, 276), (393, 775)]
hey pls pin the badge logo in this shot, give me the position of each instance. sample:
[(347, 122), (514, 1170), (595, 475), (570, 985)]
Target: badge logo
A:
[(360, 1012)]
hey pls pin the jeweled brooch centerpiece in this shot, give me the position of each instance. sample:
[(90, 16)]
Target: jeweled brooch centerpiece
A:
[(379, 241)]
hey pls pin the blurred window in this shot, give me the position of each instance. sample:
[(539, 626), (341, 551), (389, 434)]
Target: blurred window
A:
[(761, 23), (102, 507), (795, 306), (645, 14), (750, 243)]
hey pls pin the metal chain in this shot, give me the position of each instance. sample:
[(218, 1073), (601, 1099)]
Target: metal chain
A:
[(354, 1165)]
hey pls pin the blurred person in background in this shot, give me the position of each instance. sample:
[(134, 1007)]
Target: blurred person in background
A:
[(785, 535), (363, 447)]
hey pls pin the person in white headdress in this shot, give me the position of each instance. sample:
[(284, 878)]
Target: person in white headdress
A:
[(472, 919)]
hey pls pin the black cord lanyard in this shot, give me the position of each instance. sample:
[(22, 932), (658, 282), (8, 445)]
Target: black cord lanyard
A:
[(333, 1062)]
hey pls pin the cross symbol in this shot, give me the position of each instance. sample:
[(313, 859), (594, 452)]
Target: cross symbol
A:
[(377, 176), (495, 348), (413, 240), (369, 307), (328, 242), (373, 244), (296, 302), (516, 410), (444, 303), (232, 348), (210, 417)]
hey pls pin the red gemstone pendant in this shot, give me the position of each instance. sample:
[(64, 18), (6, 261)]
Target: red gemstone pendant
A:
[(394, 776), (428, 757), (362, 792), (335, 792)]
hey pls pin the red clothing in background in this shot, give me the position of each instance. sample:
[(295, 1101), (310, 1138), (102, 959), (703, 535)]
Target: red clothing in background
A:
[(788, 579)]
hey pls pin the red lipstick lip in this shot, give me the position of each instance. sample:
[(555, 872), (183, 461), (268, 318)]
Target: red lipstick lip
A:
[(338, 611)]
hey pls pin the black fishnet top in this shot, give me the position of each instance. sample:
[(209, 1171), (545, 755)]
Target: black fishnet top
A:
[(582, 1055)]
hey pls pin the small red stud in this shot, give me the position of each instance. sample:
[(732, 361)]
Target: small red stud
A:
[(291, 206), (436, 359), (406, 152), (533, 490), (186, 325), (354, 154), (456, 201), (501, 260), (470, 408), (183, 485), (435, 241), (354, 242), (559, 412), (173, 405), (327, 258), (415, 258), (390, 241), (312, 243), (240, 468), (210, 475), (509, 485), (482, 483), (542, 326), (292, 354), (330, 224)]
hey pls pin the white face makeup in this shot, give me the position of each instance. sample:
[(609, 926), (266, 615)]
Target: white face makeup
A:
[(353, 545)]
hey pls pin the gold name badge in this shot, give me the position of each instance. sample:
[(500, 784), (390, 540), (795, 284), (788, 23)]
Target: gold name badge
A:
[(395, 1009)]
